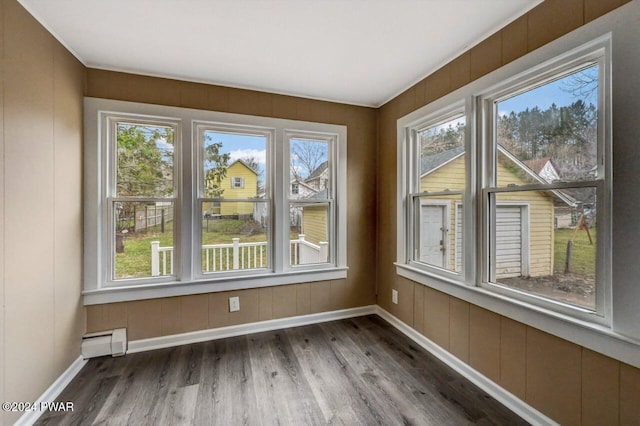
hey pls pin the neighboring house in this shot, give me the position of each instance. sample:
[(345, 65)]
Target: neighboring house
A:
[(300, 189), (314, 219), (319, 178), (241, 182), (524, 221), (545, 168), (565, 215)]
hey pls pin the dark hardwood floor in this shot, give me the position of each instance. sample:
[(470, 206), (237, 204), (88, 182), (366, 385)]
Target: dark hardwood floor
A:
[(355, 371)]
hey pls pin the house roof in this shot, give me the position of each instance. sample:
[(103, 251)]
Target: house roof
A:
[(560, 194), (320, 195), (244, 163), (537, 164), (318, 171), (300, 182), (430, 163)]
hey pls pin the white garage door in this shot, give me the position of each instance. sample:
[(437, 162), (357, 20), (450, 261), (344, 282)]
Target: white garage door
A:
[(510, 240)]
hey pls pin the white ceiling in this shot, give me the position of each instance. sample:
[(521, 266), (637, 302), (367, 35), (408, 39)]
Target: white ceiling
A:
[(351, 51)]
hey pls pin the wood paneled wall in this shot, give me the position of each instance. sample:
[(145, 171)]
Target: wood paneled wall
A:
[(41, 193), (40, 197), (569, 383), (161, 317), (166, 316)]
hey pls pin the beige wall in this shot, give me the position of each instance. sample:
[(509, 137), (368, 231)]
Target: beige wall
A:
[(569, 383), (42, 205), (171, 315)]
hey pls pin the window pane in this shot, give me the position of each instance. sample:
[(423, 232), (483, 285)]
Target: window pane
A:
[(310, 169), (143, 239), (234, 165), (438, 231), (442, 163), (309, 233), (545, 243), (551, 131), (235, 235), (144, 160)]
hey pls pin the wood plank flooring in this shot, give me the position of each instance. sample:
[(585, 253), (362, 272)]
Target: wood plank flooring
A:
[(354, 371)]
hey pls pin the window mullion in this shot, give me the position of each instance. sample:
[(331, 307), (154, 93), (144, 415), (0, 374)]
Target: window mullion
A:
[(280, 180)]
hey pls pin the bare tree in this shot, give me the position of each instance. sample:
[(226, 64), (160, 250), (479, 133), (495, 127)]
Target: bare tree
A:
[(582, 84), (307, 156)]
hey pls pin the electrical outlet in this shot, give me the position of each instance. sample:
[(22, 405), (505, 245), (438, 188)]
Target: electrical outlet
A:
[(234, 304), (394, 296)]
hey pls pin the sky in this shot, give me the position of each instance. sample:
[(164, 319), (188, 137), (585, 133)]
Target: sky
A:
[(555, 92), (242, 146)]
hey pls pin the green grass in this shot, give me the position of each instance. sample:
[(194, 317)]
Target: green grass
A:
[(583, 256), (135, 262)]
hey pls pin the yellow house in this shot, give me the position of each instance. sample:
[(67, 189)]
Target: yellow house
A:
[(240, 183), (524, 220), (314, 223)]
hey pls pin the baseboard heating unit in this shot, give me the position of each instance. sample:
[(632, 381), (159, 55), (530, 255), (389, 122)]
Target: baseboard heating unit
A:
[(101, 343)]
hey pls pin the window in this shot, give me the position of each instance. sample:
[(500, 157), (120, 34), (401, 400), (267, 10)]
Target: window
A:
[(295, 188), (237, 183), (312, 229), (437, 192), (141, 193), (238, 237), (545, 185), (518, 203), (184, 201)]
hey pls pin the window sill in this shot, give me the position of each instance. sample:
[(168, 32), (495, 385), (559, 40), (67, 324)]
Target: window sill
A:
[(593, 336), (127, 293)]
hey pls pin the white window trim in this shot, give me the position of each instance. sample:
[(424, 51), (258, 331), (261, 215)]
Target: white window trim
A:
[(594, 51), (331, 199), (98, 289), (619, 336), (409, 183)]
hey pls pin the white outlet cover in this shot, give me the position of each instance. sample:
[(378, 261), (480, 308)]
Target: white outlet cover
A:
[(234, 304), (394, 296)]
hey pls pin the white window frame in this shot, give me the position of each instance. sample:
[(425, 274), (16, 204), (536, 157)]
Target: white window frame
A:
[(591, 53), (331, 186), (188, 278), (616, 333), (199, 127), (109, 182), (409, 187)]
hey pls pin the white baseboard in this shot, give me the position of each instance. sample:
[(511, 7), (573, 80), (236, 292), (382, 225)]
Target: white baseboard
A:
[(50, 395), (242, 329), (500, 394), (515, 404)]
